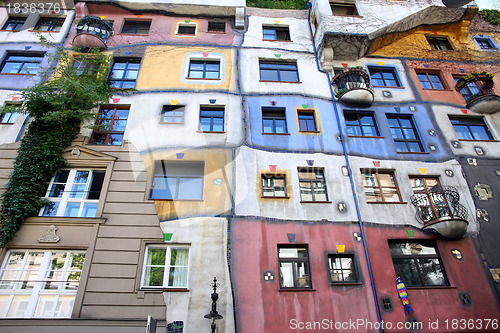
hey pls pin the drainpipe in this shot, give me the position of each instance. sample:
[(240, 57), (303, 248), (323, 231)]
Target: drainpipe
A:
[(346, 156)]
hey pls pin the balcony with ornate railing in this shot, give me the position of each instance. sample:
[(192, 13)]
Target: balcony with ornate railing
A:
[(439, 210), (353, 86), (477, 90), (92, 32)]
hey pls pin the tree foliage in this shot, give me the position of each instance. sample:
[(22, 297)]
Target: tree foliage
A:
[(57, 107), (278, 4)]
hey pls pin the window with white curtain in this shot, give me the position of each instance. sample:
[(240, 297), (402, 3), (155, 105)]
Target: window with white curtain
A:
[(166, 267)]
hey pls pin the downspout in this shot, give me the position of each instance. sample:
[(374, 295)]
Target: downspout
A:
[(346, 156)]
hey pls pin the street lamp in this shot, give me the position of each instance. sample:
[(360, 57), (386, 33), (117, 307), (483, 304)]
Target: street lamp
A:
[(213, 313)]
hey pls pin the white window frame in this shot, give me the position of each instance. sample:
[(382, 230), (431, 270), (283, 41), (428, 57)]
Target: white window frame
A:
[(65, 198), (37, 292), (167, 266), (190, 24)]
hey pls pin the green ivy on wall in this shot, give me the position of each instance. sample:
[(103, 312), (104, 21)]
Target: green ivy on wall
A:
[(491, 16), (278, 4), (57, 108)]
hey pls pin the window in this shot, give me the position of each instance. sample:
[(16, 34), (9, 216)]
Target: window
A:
[(74, 193), (434, 204), (274, 121), (49, 24), (136, 27), (383, 77), (342, 268), (278, 71), (21, 63), (276, 33), (111, 124), (14, 23), (178, 180), (418, 264), (166, 267), (380, 186), (360, 124), (211, 119), (173, 114), (204, 69), (294, 267), (312, 185), (186, 29), (85, 67), (10, 117), (307, 121), (470, 90), (439, 43), (485, 43), (470, 128), (40, 284), (404, 134), (343, 8), (124, 73), (216, 26), (429, 80), (274, 186)]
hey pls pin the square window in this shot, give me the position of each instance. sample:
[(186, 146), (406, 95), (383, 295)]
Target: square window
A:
[(430, 80), (74, 193), (384, 77), (275, 33), (343, 8), (84, 67), (111, 124), (136, 27), (294, 267), (360, 123), (124, 73), (432, 203), (14, 23), (274, 120), (380, 186), (405, 134), (166, 267), (216, 26), (278, 71), (485, 43), (470, 90), (186, 29), (273, 186), (307, 121), (418, 264), (11, 116), (312, 185), (471, 128), (204, 69), (173, 114), (211, 119), (178, 180), (439, 43), (21, 63), (342, 268), (39, 283), (49, 24)]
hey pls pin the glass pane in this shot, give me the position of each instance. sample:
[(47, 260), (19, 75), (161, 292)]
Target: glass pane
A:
[(190, 188), (432, 273), (72, 209), (4, 300), (179, 257), (354, 130), (177, 277), (51, 209), (306, 191), (303, 278), (268, 75), (153, 277), (462, 132), (280, 126), (218, 125), (320, 192), (115, 139), (156, 256), (407, 271), (479, 133), (267, 125), (89, 210), (205, 124), (19, 306), (291, 76), (64, 306), (411, 249), (386, 180), (286, 275)]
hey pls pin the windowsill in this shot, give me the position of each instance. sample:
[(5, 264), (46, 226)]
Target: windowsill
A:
[(4, 30), (275, 133), (201, 79), (296, 289), (345, 284), (216, 32), (387, 202), (310, 132), (388, 87), (280, 81), (163, 199), (359, 16), (440, 90), (145, 289), (215, 132), (170, 122), (17, 74), (6, 123), (432, 287), (64, 219), (412, 152), (467, 140), (132, 34), (40, 31), (277, 40), (185, 35), (366, 136), (269, 197), (321, 202)]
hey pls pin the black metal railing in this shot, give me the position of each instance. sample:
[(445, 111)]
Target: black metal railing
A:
[(351, 79), (438, 203), (95, 26)]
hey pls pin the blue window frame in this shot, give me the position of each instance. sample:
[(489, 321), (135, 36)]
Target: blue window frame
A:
[(279, 71), (49, 24), (14, 23), (276, 33), (273, 120), (405, 134), (384, 77), (212, 119), (485, 43), (471, 128), (178, 180), (307, 121), (124, 73), (17, 63), (204, 69), (429, 80), (360, 124)]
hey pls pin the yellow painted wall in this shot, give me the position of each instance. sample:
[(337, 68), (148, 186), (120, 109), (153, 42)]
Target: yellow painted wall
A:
[(164, 67), (216, 195)]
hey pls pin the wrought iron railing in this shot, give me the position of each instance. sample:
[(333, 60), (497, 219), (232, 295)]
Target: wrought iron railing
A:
[(438, 203), (351, 79), (95, 26), (475, 85)]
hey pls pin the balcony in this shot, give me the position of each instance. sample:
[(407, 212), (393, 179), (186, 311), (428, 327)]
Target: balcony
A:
[(477, 90), (353, 87), (92, 32), (440, 212)]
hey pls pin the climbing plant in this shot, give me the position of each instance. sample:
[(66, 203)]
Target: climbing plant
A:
[(278, 4), (491, 16), (57, 108)]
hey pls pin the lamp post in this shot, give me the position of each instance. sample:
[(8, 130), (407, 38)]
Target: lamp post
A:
[(213, 313)]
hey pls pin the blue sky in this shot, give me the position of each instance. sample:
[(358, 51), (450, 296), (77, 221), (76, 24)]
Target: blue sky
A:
[(482, 4)]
